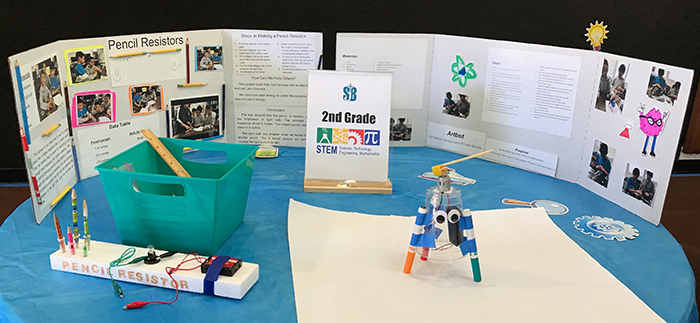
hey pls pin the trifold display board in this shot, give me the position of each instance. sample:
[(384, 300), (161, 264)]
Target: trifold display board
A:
[(80, 102), (607, 122)]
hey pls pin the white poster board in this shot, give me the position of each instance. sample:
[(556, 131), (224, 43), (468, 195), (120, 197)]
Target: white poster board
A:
[(348, 126), (529, 268), (567, 113)]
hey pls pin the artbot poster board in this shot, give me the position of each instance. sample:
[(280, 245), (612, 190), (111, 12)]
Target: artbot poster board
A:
[(80, 102), (348, 126), (545, 109)]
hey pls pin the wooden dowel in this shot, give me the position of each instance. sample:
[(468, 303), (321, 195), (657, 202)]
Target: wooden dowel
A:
[(465, 158)]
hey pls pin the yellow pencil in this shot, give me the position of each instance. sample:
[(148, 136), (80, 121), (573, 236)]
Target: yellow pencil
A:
[(191, 84), (161, 51), (129, 54), (47, 132), (60, 196)]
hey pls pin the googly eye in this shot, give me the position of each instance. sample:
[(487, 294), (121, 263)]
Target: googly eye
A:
[(651, 121), (659, 122), (440, 216), (454, 214)]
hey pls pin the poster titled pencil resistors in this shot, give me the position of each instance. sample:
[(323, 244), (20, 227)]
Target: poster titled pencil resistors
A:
[(348, 125)]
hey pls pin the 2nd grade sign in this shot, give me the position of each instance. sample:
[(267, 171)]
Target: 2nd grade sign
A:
[(347, 128)]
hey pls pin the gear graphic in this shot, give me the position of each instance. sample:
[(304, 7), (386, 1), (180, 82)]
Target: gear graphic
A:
[(354, 138), (605, 228)]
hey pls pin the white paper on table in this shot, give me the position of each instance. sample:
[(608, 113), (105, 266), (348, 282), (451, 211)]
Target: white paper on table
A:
[(347, 267)]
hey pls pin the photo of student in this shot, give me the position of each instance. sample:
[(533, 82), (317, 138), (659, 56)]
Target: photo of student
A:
[(661, 87), (605, 87), (47, 87), (400, 131), (648, 188), (195, 118), (208, 58), (619, 89), (145, 98), (87, 65), (601, 163), (93, 108), (460, 109), (639, 186)]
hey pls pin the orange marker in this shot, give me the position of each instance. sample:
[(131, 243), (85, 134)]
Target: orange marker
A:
[(409, 260)]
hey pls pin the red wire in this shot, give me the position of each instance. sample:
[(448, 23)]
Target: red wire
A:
[(170, 271)]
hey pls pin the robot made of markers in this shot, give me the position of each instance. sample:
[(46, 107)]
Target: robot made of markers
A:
[(444, 209)]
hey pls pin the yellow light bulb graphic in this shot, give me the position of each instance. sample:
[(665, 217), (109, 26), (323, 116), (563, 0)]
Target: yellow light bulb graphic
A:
[(596, 33)]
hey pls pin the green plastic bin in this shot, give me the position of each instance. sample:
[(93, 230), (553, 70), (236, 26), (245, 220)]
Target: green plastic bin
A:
[(153, 206)]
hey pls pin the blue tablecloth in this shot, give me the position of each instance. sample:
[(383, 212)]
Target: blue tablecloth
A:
[(653, 266)]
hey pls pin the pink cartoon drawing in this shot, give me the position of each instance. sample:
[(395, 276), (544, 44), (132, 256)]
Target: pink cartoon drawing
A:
[(651, 124)]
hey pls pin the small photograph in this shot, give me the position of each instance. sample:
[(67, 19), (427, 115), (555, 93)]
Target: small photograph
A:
[(87, 64), (601, 163), (47, 87), (145, 98), (662, 87), (638, 185), (457, 105), (400, 131), (208, 58), (90, 108), (612, 90), (196, 118)]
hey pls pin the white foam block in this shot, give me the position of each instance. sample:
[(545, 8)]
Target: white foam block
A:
[(348, 267), (102, 253)]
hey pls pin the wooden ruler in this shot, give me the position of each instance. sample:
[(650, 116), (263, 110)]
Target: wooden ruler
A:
[(165, 153)]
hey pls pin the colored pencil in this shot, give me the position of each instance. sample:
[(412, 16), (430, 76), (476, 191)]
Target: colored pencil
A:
[(59, 233), (161, 51), (60, 196), (191, 84), (187, 57), (129, 54), (47, 132)]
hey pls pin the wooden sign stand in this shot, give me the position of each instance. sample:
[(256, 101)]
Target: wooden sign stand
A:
[(315, 185)]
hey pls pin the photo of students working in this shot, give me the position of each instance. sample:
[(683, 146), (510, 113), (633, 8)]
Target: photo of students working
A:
[(146, 99), (601, 163), (196, 118), (459, 109), (643, 189), (47, 87), (208, 58), (94, 108), (400, 131), (661, 87), (612, 91), (87, 66)]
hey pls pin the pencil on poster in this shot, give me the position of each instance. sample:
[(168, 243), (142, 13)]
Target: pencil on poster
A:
[(161, 51), (48, 132), (59, 197), (71, 245), (223, 107), (129, 54), (20, 90), (187, 58), (36, 190), (167, 117), (74, 203), (59, 233), (320, 61), (85, 225), (191, 84)]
